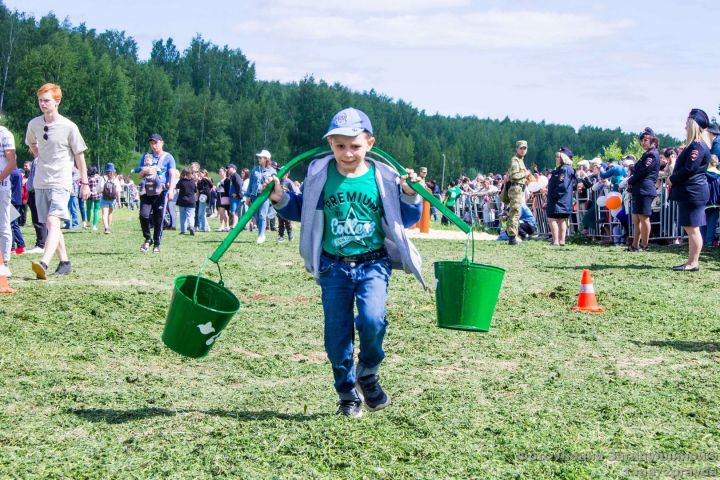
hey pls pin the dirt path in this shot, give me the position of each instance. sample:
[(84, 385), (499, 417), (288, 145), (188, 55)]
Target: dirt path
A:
[(448, 235)]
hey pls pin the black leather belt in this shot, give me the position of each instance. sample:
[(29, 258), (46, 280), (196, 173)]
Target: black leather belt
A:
[(365, 257)]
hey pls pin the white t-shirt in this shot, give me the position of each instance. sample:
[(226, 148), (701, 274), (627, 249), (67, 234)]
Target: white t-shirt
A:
[(7, 142), (56, 154)]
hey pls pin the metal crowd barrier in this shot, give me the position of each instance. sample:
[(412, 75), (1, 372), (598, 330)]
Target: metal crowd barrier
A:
[(483, 210)]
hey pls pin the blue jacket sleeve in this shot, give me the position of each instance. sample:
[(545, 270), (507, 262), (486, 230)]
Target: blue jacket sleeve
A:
[(611, 172), (410, 213), (292, 205)]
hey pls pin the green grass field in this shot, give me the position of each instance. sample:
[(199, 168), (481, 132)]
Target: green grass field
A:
[(88, 390)]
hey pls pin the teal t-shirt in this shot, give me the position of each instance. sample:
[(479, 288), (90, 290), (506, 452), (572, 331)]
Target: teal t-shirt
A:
[(353, 214)]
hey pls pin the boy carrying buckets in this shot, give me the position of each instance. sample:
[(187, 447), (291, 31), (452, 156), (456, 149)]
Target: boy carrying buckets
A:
[(354, 212)]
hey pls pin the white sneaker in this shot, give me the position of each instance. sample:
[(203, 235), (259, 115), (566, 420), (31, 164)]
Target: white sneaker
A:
[(261, 239), (35, 250), (5, 271)]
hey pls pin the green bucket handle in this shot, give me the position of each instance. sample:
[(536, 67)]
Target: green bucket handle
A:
[(255, 206), (470, 240), (265, 194), (197, 279), (420, 189)]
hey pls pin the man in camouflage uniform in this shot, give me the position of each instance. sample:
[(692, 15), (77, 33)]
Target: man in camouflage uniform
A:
[(517, 177)]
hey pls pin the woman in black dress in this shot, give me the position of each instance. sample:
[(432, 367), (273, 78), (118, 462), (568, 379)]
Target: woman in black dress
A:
[(689, 185), (559, 196)]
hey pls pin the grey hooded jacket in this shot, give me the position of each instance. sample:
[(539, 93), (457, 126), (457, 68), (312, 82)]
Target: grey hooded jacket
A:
[(307, 208)]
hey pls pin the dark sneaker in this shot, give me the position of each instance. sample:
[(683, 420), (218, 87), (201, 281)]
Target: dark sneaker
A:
[(685, 268), (349, 408), (40, 270), (192, 231), (372, 393), (290, 237), (63, 269), (512, 241)]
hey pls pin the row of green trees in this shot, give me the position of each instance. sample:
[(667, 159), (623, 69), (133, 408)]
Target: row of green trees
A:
[(209, 106)]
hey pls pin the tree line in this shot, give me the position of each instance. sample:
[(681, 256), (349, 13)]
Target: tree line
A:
[(209, 106)]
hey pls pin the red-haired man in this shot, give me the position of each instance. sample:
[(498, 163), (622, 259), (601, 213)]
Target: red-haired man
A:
[(57, 144)]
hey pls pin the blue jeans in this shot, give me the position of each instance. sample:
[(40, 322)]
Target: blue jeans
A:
[(187, 218), (73, 207), (343, 286), (201, 218), (708, 231), (261, 216)]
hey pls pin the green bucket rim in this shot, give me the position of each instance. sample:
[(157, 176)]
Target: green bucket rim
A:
[(470, 264), (214, 284)]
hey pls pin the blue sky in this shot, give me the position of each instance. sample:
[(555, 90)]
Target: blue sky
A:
[(604, 63)]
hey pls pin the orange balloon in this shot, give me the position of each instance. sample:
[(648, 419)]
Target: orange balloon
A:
[(613, 203)]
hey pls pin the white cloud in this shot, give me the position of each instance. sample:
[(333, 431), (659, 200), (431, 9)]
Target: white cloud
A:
[(367, 6), (489, 30)]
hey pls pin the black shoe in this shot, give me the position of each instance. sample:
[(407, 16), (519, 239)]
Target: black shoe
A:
[(63, 268), (349, 408), (684, 268), (512, 241), (192, 231), (40, 270), (633, 249), (372, 393)]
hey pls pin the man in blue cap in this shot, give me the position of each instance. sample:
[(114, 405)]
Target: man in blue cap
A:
[(153, 203)]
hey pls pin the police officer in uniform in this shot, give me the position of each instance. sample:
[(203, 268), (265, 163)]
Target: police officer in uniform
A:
[(559, 195), (642, 184), (689, 185), (517, 178)]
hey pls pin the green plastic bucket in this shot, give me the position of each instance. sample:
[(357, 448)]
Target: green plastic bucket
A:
[(466, 294), (199, 311)]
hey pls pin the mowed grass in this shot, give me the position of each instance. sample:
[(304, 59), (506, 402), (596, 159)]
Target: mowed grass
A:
[(88, 390)]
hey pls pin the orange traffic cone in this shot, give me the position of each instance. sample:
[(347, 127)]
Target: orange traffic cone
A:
[(586, 301), (4, 286)]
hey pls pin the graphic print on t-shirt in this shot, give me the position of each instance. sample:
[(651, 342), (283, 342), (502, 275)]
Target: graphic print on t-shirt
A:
[(353, 228), (353, 214)]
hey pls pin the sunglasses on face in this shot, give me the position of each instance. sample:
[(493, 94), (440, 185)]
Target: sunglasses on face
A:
[(45, 135)]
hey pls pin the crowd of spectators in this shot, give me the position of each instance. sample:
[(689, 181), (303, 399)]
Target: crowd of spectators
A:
[(477, 200), (224, 199)]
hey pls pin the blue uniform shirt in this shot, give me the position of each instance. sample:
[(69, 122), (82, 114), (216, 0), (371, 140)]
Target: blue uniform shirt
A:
[(560, 191), (645, 175), (689, 182)]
